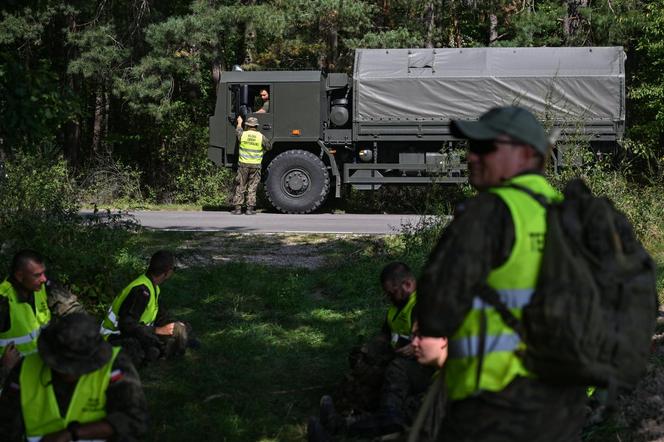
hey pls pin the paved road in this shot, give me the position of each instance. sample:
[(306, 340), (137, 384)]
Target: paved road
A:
[(273, 223)]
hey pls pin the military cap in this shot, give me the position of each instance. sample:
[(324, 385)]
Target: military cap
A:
[(251, 122), (73, 345)]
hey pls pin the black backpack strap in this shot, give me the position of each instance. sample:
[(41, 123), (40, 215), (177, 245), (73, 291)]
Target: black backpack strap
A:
[(491, 297), (536, 196)]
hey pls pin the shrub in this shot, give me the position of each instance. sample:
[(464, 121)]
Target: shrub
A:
[(203, 183), (39, 211), (109, 181)]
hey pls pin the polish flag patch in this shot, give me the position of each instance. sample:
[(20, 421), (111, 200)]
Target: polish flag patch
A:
[(116, 375)]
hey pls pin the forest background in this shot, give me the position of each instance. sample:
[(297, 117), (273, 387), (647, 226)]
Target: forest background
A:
[(122, 89), (106, 102)]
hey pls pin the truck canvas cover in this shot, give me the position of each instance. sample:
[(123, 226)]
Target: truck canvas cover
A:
[(565, 84)]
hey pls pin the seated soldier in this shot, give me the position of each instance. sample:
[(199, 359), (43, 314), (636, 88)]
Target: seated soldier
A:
[(77, 387), (138, 321), (404, 381), (428, 351), (27, 301)]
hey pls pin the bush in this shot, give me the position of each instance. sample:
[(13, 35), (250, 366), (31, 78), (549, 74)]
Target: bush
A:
[(109, 181), (36, 185), (640, 202), (39, 211), (204, 183)]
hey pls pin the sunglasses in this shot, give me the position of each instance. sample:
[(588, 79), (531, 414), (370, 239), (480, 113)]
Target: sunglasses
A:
[(482, 147), (485, 147)]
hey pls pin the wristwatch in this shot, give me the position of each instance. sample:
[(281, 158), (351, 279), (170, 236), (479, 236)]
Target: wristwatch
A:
[(73, 429)]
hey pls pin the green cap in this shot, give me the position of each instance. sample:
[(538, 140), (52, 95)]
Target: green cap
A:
[(517, 122)]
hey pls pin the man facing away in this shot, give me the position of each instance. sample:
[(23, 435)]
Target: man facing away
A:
[(27, 301), (250, 157), (138, 321), (77, 387), (495, 239)]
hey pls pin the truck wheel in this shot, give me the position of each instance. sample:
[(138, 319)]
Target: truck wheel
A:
[(297, 182)]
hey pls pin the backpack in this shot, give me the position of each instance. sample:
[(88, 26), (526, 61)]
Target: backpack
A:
[(592, 315)]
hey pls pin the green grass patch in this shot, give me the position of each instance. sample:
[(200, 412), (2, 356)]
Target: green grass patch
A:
[(274, 340)]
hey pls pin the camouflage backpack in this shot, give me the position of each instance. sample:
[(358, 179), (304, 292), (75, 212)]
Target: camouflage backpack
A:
[(592, 316)]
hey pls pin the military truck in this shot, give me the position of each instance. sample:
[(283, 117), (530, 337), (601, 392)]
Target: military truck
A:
[(390, 122)]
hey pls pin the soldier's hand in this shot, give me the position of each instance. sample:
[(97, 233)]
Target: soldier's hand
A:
[(239, 120), (406, 350), (165, 330), (10, 356)]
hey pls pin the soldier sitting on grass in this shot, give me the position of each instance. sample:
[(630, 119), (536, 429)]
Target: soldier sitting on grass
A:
[(77, 387), (138, 321), (398, 380), (28, 300)]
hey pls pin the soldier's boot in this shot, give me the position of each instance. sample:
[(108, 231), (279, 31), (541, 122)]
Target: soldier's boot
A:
[(250, 210), (329, 418), (237, 210)]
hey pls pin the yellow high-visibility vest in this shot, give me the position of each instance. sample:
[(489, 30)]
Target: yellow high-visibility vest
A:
[(251, 147), (41, 413), (25, 323), (515, 281), (110, 324)]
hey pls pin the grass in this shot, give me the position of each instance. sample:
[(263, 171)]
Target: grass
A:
[(274, 340)]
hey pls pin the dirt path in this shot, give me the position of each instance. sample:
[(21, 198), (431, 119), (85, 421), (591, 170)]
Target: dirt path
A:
[(279, 250)]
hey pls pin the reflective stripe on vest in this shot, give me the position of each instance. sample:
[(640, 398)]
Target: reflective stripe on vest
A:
[(41, 413), (110, 324), (251, 147), (514, 281), (25, 324), (400, 320)]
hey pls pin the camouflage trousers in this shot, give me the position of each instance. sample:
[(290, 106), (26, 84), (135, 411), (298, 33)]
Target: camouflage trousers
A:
[(404, 385), (143, 351), (246, 180)]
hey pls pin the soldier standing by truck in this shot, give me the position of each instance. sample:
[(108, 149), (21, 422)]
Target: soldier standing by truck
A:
[(252, 145)]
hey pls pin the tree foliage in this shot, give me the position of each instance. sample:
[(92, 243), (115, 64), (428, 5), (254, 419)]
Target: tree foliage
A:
[(134, 79)]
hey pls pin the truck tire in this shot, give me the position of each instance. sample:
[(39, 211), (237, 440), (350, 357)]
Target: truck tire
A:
[(297, 182)]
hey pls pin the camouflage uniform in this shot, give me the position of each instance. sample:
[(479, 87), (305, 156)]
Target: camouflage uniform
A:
[(479, 239), (404, 385), (248, 177), (139, 340)]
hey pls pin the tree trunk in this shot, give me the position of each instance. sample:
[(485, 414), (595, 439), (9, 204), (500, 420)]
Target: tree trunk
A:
[(455, 40), (493, 29), (98, 120), (429, 22), (572, 22), (73, 129), (107, 111), (249, 39), (329, 27)]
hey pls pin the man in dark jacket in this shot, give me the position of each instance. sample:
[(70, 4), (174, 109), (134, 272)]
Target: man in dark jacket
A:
[(496, 240)]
